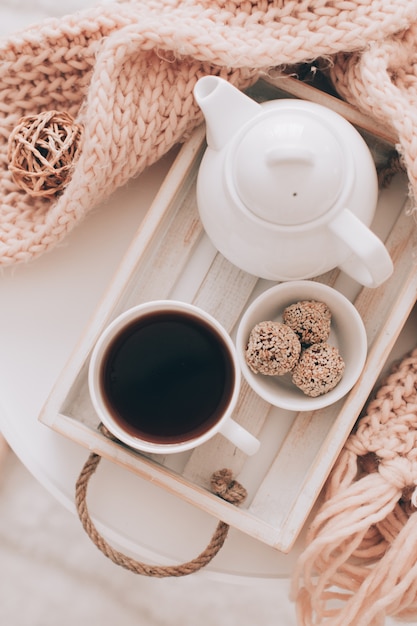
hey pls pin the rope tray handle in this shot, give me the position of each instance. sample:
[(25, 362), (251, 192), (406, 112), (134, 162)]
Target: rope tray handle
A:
[(222, 484)]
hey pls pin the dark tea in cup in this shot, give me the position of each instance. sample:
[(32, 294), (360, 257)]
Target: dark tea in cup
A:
[(167, 377)]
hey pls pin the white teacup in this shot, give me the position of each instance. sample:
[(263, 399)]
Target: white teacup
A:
[(164, 377)]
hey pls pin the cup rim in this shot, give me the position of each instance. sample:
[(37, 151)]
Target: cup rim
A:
[(281, 295), (105, 339)]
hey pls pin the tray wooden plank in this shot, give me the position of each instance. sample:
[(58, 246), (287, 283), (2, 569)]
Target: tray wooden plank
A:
[(171, 257)]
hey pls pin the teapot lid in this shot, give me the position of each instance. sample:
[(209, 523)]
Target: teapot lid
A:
[(288, 166)]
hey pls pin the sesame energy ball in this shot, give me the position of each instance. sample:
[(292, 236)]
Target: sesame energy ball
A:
[(310, 319), (273, 349), (319, 369)]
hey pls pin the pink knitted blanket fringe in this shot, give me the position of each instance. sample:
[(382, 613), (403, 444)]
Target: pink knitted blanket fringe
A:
[(360, 563), (126, 71)]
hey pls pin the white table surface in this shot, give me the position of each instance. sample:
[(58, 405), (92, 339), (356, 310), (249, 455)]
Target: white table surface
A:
[(44, 307)]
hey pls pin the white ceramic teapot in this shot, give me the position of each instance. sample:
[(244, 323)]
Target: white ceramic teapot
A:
[(287, 189)]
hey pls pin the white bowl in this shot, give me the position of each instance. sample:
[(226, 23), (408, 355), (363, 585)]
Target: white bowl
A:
[(347, 334)]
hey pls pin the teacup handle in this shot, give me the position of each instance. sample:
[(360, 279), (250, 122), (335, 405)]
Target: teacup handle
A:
[(371, 264), (240, 437)]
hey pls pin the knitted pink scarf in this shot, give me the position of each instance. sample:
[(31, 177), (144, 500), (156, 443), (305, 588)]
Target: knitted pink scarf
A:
[(126, 72), (360, 563)]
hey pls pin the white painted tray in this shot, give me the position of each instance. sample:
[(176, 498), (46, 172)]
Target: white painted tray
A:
[(171, 257)]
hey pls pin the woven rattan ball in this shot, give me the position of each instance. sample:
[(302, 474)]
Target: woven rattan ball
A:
[(42, 150)]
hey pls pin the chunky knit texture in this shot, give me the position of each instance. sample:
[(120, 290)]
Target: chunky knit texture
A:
[(126, 71), (360, 564), (382, 81)]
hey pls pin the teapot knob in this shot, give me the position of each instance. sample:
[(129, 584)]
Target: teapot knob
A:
[(286, 154)]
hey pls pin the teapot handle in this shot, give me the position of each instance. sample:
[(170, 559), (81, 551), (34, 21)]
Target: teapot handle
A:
[(370, 263)]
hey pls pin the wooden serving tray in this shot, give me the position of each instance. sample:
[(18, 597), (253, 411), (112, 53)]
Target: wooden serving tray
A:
[(171, 257)]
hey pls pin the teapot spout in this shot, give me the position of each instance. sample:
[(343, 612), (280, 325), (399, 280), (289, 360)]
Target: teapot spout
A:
[(225, 109)]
